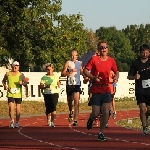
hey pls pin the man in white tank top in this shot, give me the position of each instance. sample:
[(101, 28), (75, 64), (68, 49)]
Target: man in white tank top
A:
[(73, 69)]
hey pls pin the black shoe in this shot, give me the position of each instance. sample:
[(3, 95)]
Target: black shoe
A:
[(145, 131), (89, 124), (75, 123), (101, 137)]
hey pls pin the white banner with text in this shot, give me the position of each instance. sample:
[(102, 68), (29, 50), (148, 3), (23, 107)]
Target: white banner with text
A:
[(125, 87)]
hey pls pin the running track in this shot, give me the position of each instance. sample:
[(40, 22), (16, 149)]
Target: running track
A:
[(34, 134)]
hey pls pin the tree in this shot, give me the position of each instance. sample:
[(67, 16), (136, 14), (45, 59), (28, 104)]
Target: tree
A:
[(35, 33), (92, 40), (137, 35)]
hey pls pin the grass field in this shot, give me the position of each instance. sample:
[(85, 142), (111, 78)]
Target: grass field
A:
[(37, 107)]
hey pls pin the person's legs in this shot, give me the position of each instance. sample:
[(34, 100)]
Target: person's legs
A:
[(100, 103), (47, 111), (18, 102), (95, 102), (76, 97), (141, 102), (54, 101), (113, 108), (143, 108), (69, 101), (105, 108), (11, 110), (70, 106), (147, 115)]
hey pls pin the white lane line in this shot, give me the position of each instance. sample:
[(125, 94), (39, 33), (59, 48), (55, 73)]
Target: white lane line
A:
[(41, 141), (75, 130)]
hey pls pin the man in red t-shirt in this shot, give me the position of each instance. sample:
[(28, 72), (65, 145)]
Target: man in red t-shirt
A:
[(100, 66)]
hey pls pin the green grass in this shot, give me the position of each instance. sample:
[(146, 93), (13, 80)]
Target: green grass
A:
[(37, 107), (136, 123)]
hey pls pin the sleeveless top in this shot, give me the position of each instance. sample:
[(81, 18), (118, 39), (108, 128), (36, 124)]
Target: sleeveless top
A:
[(74, 78), (14, 89)]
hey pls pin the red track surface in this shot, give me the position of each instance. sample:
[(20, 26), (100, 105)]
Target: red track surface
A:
[(34, 134)]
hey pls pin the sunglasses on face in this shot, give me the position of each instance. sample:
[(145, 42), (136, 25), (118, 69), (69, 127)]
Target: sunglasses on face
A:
[(103, 47)]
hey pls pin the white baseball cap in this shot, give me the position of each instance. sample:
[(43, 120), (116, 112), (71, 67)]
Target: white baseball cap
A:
[(15, 63)]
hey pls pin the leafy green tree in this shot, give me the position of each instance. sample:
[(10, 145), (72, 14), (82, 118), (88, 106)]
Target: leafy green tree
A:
[(92, 40), (35, 33), (137, 35), (119, 46)]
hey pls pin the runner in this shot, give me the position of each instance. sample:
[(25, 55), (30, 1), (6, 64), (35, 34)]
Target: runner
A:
[(49, 85), (140, 72), (101, 96), (73, 69), (112, 86), (15, 80)]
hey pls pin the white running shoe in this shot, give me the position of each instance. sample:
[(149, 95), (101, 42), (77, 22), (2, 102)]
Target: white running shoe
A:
[(49, 122), (52, 124), (11, 124), (17, 125)]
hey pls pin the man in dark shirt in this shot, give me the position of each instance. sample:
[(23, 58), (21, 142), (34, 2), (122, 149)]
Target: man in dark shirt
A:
[(140, 72)]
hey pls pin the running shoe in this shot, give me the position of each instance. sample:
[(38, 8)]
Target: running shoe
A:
[(101, 137), (75, 123), (11, 124), (52, 124), (145, 131), (70, 118), (89, 124), (17, 125), (49, 122)]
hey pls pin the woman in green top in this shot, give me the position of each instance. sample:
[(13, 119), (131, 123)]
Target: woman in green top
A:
[(49, 85)]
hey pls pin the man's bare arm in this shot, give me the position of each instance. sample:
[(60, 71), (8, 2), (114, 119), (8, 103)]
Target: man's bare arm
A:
[(5, 80), (24, 82), (64, 72), (88, 74)]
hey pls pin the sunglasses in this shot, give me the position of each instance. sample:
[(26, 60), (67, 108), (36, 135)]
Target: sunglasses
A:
[(103, 47)]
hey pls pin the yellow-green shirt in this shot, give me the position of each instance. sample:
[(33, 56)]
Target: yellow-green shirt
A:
[(14, 89), (52, 80)]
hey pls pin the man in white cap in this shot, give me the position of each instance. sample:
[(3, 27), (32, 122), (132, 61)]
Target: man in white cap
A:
[(13, 82)]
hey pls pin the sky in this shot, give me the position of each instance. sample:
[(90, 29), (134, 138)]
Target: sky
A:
[(107, 13)]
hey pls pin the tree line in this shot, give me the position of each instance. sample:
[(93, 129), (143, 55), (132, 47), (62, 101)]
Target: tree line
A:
[(35, 32)]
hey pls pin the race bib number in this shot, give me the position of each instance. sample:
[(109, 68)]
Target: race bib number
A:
[(50, 91), (72, 81), (146, 83), (14, 90)]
